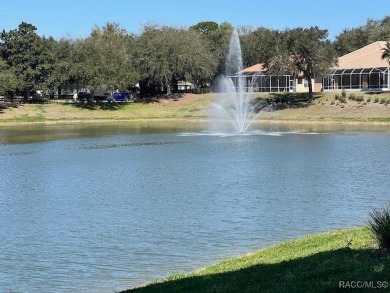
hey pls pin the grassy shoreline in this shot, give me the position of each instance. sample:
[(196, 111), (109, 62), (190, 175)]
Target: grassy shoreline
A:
[(317, 263), (195, 108)]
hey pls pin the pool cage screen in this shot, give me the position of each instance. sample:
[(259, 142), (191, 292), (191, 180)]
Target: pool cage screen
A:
[(358, 79), (265, 83)]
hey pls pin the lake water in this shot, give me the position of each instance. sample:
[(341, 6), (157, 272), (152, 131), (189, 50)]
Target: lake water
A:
[(112, 207)]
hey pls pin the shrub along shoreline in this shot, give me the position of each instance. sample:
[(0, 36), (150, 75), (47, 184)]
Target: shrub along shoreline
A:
[(326, 262)]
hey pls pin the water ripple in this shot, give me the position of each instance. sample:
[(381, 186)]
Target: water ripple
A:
[(151, 205), (132, 144)]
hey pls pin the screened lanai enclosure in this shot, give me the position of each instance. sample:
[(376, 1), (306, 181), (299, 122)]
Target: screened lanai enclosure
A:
[(370, 79), (361, 70), (256, 79), (265, 83)]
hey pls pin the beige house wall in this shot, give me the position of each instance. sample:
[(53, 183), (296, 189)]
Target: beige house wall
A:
[(317, 87), (301, 85)]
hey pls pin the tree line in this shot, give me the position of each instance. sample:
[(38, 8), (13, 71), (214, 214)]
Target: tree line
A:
[(111, 58)]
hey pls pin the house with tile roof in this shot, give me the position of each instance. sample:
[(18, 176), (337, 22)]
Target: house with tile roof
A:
[(360, 70), (257, 76)]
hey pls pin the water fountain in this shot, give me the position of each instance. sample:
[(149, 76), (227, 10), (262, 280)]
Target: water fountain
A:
[(233, 104)]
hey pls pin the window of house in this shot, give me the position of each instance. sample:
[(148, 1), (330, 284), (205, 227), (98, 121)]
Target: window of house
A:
[(299, 80)]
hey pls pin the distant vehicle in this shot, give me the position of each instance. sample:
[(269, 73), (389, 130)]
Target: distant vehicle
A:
[(120, 97), (100, 96), (84, 96)]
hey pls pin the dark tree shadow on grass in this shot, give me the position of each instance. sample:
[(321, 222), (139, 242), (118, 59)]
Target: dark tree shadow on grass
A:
[(6, 105), (147, 99), (322, 272), (107, 106), (280, 101)]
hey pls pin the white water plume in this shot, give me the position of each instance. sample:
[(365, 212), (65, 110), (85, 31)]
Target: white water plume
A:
[(233, 103)]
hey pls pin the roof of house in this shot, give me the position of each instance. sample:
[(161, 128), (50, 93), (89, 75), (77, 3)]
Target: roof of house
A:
[(253, 69), (369, 56)]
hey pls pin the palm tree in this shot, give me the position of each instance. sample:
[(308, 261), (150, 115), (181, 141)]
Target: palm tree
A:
[(386, 52)]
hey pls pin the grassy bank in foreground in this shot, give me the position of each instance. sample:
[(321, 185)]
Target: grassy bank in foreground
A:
[(186, 107), (325, 108), (319, 263)]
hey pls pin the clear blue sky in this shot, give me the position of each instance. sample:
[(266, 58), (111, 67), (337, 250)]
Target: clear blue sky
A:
[(75, 18)]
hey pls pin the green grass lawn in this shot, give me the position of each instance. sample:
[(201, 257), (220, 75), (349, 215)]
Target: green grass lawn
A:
[(191, 107), (319, 263), (324, 108)]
